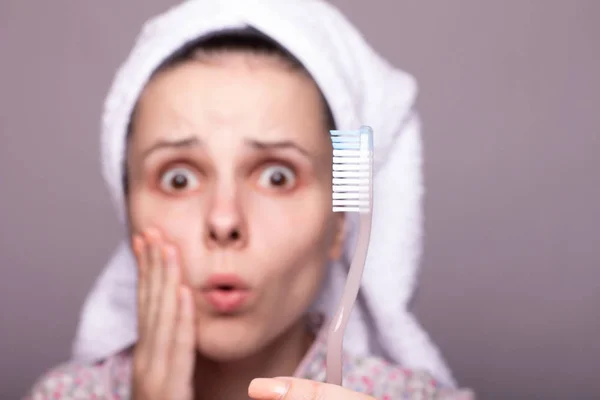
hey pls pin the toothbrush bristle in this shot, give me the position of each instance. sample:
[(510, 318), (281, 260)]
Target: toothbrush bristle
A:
[(352, 170)]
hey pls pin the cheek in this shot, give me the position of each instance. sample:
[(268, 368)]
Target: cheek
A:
[(169, 214), (294, 236), (180, 220), (291, 242)]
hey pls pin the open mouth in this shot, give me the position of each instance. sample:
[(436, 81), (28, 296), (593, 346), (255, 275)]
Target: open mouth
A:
[(226, 293)]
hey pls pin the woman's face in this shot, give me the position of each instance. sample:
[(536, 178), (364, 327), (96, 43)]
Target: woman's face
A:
[(231, 159)]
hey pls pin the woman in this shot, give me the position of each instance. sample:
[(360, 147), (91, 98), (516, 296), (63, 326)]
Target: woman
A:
[(216, 147)]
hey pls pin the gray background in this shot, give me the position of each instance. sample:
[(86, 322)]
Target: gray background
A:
[(509, 95)]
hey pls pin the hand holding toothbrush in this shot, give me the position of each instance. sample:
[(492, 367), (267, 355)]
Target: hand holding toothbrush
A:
[(300, 389)]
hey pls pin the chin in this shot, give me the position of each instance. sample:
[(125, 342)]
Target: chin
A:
[(228, 339)]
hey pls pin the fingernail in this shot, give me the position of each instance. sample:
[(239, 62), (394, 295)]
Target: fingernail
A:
[(267, 389), (153, 234)]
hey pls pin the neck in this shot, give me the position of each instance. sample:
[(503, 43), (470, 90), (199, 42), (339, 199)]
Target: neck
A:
[(230, 380)]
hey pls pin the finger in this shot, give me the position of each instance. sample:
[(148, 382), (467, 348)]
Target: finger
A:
[(142, 350), (300, 389), (184, 349), (139, 249), (167, 310), (155, 273)]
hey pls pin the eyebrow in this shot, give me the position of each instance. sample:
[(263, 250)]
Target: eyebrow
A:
[(285, 144), (257, 144), (166, 144)]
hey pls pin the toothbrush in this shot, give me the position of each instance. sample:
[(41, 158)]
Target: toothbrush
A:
[(352, 192)]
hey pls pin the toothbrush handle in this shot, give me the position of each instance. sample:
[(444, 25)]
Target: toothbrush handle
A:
[(335, 339)]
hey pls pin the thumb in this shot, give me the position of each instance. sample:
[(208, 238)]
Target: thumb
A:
[(300, 389)]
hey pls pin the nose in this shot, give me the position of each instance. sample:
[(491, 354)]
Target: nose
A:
[(225, 225)]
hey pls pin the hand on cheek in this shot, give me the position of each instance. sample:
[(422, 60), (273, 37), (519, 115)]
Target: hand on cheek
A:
[(163, 361), (300, 389)]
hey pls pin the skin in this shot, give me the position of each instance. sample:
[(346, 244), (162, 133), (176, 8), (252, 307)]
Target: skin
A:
[(229, 167)]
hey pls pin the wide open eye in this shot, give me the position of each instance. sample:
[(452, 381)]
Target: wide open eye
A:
[(178, 179), (278, 177)]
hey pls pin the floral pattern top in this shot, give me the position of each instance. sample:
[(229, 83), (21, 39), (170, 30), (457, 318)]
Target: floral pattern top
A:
[(111, 378)]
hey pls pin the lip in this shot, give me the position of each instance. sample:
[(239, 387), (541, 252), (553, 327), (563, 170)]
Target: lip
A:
[(218, 281), (227, 301), (226, 293)]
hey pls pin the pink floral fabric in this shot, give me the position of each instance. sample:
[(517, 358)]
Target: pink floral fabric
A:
[(111, 379)]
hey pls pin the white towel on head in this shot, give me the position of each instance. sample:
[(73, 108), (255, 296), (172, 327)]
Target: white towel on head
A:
[(361, 88)]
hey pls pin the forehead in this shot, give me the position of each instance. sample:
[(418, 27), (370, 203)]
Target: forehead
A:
[(235, 95)]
